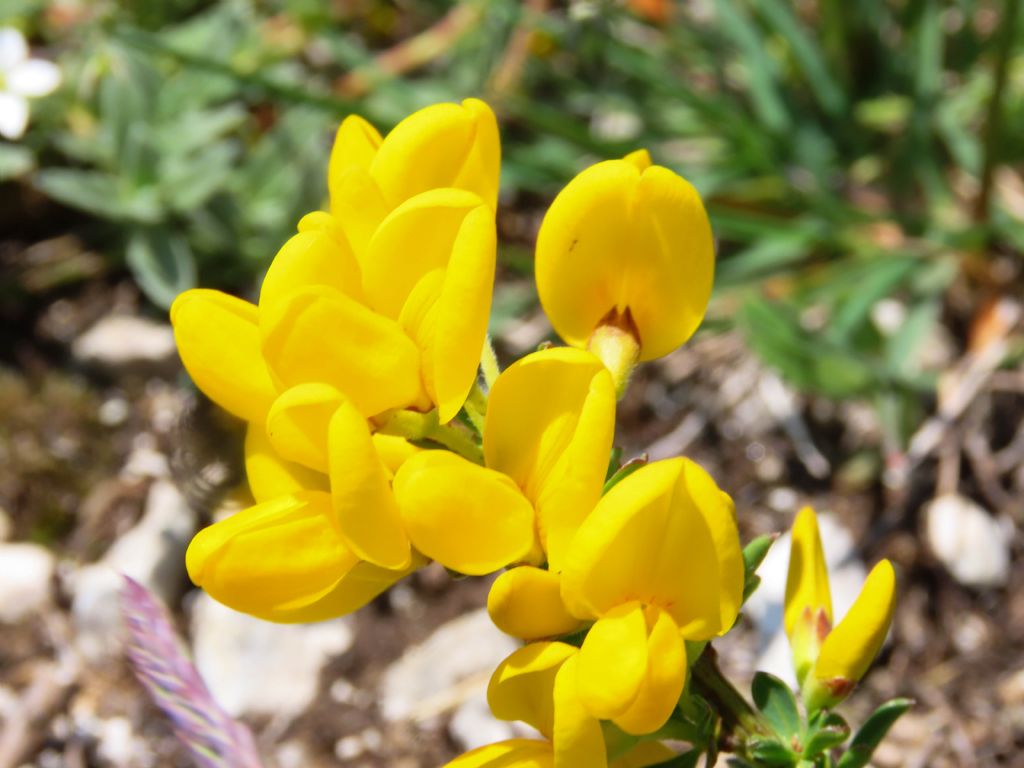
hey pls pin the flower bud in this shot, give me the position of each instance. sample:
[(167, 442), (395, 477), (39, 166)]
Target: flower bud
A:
[(850, 648), (628, 245)]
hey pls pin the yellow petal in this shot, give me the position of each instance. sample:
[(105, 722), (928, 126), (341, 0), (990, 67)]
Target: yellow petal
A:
[(355, 145), (480, 172), (313, 257), (617, 238), (394, 451), (469, 518), (270, 475), (319, 334), (850, 648), (463, 311), (663, 682), (297, 423), (613, 661), (549, 426), (443, 145), (807, 587), (219, 343), (513, 753), (357, 201), (650, 539), (355, 589), (432, 221), (368, 514), (526, 602), (278, 555), (808, 604), (578, 739), (522, 687)]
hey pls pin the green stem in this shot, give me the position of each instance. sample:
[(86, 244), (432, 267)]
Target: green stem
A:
[(738, 717), (424, 426), (475, 408), (993, 121), (489, 364), (456, 440)]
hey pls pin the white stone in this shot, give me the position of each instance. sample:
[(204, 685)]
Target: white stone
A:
[(123, 340), (152, 553), (765, 608), (473, 725), (973, 544), (256, 667), (449, 667), (26, 571)]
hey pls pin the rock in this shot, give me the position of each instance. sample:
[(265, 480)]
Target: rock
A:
[(126, 342), (26, 573), (350, 747), (765, 607), (152, 553), (473, 725), (444, 671), (973, 545), (255, 667)]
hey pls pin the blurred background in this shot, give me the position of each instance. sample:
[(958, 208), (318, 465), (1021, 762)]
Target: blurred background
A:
[(863, 166)]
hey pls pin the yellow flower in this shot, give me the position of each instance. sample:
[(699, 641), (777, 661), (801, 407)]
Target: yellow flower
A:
[(443, 145), (537, 685), (549, 427), (829, 662), (657, 561), (625, 261), (405, 285), (808, 604), (284, 560)]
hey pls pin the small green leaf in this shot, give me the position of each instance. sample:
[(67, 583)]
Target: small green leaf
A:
[(624, 471), (162, 264), (771, 752), (15, 160), (756, 551), (870, 735), (778, 705), (825, 739)]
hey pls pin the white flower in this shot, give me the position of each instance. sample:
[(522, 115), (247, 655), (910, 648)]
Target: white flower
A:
[(21, 78)]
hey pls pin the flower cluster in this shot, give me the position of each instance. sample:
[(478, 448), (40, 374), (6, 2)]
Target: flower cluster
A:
[(373, 448)]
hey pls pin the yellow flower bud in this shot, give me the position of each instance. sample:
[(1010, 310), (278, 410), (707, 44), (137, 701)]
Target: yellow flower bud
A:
[(626, 244), (850, 648), (808, 604)]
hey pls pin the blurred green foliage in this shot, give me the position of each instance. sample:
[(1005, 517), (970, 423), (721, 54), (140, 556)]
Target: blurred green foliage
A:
[(848, 151)]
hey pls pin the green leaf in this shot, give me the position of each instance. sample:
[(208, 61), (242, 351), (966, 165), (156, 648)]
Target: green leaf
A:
[(756, 551), (753, 555), (97, 193), (825, 739), (771, 752), (162, 264), (15, 160), (870, 735), (624, 471), (778, 705), (806, 53)]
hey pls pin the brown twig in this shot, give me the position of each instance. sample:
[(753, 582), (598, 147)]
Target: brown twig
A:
[(510, 68), (412, 53)]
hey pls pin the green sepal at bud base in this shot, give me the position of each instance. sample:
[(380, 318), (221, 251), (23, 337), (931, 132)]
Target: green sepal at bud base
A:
[(616, 343)]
